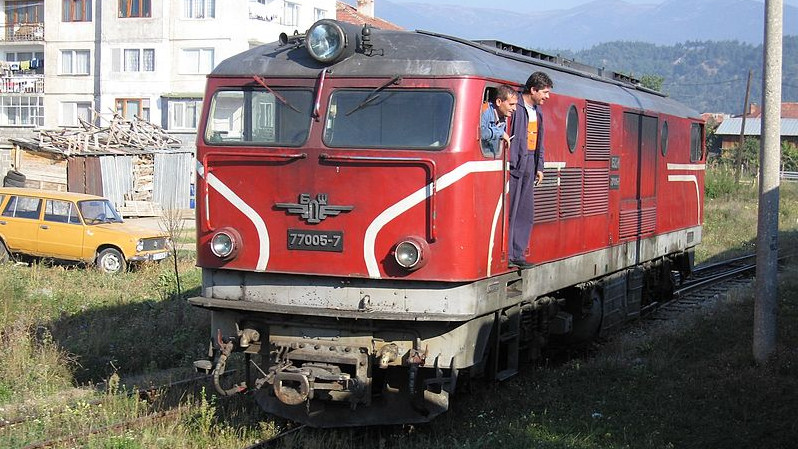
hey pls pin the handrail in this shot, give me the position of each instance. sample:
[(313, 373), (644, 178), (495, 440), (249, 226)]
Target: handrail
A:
[(428, 163)]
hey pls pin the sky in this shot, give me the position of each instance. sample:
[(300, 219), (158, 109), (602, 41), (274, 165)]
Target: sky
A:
[(529, 5)]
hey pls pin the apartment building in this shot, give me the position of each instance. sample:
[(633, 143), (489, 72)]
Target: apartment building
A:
[(145, 58)]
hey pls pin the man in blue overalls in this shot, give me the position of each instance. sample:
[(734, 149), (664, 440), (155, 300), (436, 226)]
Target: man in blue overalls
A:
[(526, 164)]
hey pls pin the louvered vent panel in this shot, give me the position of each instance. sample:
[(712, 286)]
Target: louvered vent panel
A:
[(570, 193), (638, 222), (648, 221), (628, 223), (546, 197), (597, 190), (597, 137)]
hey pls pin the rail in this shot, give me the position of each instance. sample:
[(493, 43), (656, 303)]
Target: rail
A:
[(790, 176), (23, 32), (28, 84)]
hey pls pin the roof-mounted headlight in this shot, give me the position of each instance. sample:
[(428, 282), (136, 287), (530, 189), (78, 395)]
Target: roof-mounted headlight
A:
[(329, 41)]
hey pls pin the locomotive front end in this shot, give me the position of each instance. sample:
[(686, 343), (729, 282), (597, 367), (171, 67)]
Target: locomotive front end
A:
[(325, 176)]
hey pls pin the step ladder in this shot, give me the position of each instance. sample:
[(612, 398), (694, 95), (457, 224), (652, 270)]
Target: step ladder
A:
[(507, 345)]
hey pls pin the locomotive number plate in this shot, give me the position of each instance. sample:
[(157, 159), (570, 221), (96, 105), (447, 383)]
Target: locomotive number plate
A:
[(307, 240)]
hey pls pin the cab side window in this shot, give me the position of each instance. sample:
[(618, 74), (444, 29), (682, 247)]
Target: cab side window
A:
[(488, 97), (23, 207), (61, 212)]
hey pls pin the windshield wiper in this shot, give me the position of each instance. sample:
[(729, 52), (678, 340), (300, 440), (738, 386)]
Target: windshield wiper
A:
[(279, 97), (374, 94)]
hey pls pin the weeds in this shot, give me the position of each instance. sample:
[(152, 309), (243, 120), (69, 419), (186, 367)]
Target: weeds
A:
[(66, 330)]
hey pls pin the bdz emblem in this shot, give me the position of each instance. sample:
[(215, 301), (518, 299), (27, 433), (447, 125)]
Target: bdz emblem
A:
[(313, 211)]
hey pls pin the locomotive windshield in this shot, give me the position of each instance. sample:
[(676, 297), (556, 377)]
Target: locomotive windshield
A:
[(392, 118), (253, 116)]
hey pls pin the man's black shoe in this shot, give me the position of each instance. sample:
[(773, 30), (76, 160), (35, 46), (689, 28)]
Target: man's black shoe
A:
[(521, 264)]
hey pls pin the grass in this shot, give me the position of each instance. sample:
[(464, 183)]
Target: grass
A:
[(74, 338)]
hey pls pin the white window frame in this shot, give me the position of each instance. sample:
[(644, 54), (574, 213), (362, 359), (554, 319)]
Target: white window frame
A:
[(199, 9), (197, 61), (69, 62), (178, 117), (71, 110), (27, 111), (290, 14), (319, 14)]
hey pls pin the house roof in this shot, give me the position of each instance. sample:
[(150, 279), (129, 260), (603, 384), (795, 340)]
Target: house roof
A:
[(349, 14), (753, 127)]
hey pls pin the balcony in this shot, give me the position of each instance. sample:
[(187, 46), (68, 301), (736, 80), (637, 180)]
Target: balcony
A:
[(23, 32), (22, 84)]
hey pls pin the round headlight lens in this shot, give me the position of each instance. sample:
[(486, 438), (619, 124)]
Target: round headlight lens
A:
[(408, 254), (325, 41), (140, 245), (223, 245)]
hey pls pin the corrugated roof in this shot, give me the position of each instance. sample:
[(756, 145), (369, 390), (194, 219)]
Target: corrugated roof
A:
[(753, 127)]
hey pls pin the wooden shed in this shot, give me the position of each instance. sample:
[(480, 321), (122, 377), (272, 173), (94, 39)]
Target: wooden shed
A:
[(138, 167)]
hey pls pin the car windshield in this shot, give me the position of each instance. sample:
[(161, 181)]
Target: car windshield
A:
[(98, 212)]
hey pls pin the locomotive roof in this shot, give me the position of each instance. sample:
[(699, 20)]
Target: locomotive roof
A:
[(424, 54)]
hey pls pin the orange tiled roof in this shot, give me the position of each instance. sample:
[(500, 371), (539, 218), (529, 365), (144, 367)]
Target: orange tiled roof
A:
[(348, 13)]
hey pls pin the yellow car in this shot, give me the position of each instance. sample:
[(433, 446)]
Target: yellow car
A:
[(74, 227)]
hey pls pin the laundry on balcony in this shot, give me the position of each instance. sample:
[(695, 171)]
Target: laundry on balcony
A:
[(22, 66)]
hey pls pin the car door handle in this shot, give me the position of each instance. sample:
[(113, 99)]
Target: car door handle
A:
[(44, 227), (2, 222)]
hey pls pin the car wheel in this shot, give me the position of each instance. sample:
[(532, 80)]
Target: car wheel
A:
[(111, 261)]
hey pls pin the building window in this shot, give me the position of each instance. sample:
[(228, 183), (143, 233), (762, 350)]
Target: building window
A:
[(139, 60), (22, 111), (291, 14), (199, 9), (24, 56), (130, 108), (196, 60), (76, 10), (75, 62), (319, 14), (24, 12), (72, 112), (183, 114), (135, 8)]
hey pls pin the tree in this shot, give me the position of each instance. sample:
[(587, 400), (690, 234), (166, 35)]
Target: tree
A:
[(653, 82), (789, 156), (750, 159)]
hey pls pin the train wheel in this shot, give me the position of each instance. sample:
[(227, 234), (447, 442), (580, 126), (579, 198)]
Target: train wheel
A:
[(588, 325)]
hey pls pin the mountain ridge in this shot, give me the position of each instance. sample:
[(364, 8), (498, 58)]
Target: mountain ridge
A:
[(668, 23)]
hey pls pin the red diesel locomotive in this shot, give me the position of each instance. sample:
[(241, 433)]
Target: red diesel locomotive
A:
[(353, 234)]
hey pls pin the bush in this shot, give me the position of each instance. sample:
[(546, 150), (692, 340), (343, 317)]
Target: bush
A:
[(719, 182)]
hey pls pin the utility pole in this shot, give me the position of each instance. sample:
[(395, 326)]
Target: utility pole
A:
[(767, 243), (738, 166)]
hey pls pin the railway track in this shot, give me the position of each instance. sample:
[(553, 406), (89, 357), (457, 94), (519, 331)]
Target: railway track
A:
[(707, 283)]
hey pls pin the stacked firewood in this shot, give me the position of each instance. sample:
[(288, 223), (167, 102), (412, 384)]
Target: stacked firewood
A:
[(120, 135)]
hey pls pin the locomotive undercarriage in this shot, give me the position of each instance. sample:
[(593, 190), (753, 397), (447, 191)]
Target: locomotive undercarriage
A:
[(352, 368)]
